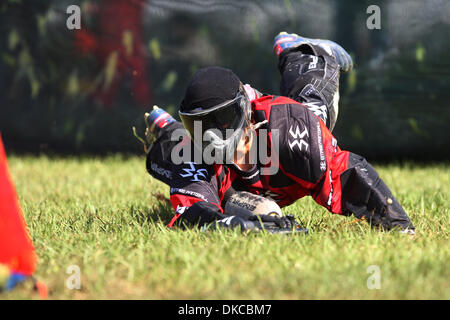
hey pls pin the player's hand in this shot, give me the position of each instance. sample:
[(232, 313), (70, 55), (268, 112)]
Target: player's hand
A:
[(284, 222)]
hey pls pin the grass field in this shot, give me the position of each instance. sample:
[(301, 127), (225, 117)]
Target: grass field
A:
[(102, 215)]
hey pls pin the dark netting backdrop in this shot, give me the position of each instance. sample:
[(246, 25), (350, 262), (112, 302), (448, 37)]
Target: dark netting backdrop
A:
[(82, 90)]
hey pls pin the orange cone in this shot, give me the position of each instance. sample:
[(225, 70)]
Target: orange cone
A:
[(16, 248)]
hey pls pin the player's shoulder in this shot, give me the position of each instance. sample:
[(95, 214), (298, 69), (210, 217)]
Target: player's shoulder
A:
[(269, 103), (281, 112), (269, 100), (296, 133), (263, 100)]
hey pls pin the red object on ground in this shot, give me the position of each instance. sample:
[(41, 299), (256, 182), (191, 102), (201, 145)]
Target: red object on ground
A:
[(16, 248), (42, 289)]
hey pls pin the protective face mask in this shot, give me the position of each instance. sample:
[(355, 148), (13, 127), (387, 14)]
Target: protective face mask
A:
[(222, 151)]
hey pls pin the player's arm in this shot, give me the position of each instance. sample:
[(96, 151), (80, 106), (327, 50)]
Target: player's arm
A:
[(195, 198), (340, 181), (194, 194)]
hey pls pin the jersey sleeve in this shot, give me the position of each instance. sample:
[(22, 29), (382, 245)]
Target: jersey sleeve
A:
[(309, 154), (192, 183), (301, 145)]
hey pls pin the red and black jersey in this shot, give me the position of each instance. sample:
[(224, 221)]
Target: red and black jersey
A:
[(308, 162)]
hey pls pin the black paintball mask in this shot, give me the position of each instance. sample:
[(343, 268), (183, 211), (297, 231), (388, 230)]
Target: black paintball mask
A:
[(219, 128), (215, 111)]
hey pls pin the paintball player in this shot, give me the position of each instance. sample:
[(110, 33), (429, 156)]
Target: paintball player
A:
[(305, 154)]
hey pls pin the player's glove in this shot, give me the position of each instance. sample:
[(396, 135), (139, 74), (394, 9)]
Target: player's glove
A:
[(284, 222), (272, 224), (231, 222), (264, 213)]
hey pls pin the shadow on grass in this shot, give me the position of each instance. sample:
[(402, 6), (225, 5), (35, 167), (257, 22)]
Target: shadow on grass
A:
[(160, 213)]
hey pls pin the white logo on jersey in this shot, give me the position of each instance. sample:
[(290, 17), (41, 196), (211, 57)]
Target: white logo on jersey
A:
[(313, 64), (298, 135), (330, 196), (193, 172), (180, 209), (334, 144), (323, 164), (319, 110), (227, 220)]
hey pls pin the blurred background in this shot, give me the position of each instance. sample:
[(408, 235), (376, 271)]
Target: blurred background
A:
[(81, 91)]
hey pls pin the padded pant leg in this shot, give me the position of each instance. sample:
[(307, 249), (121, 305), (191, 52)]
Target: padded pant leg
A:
[(365, 195), (310, 76)]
